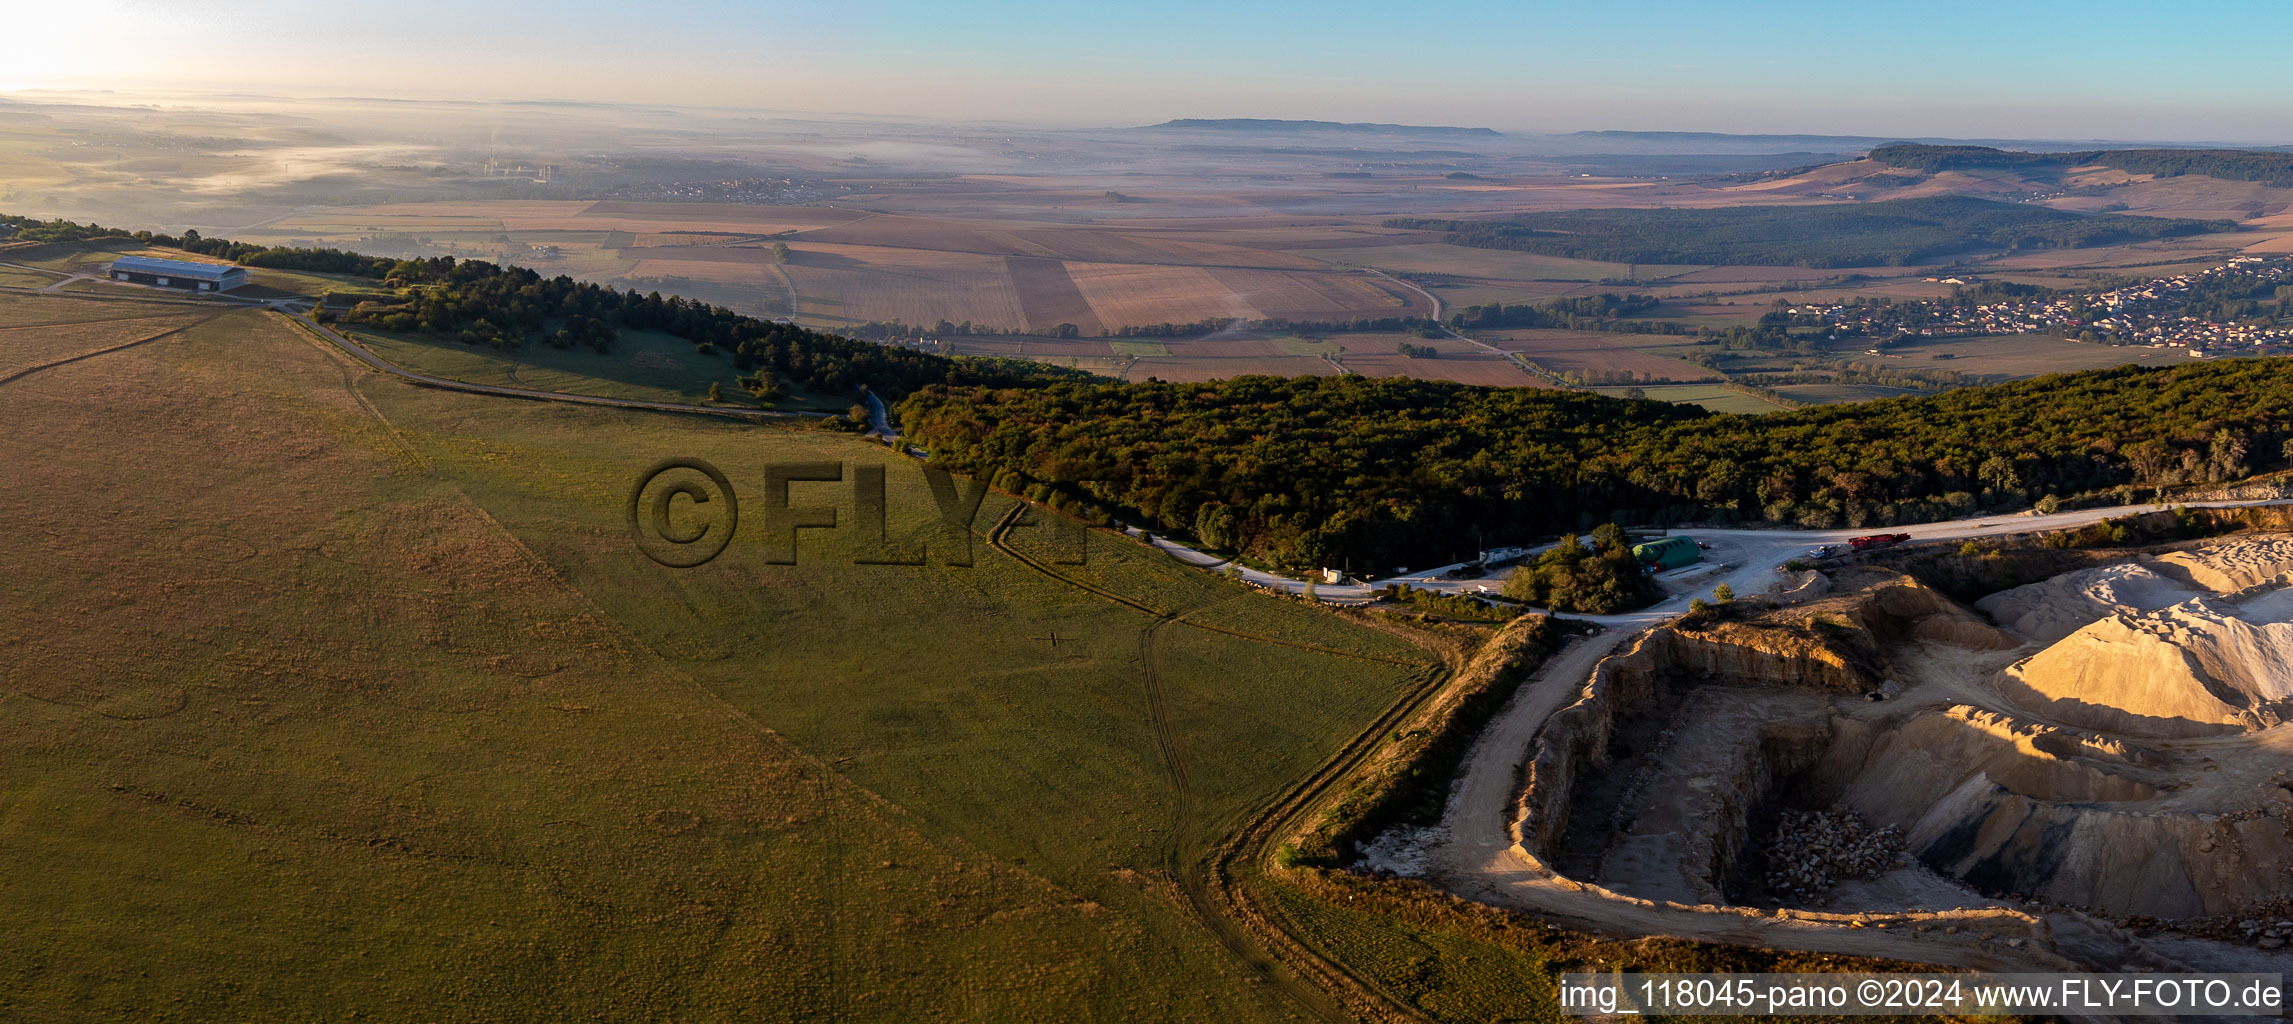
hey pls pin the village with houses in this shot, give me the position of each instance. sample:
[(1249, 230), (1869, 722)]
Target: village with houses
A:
[(2181, 311)]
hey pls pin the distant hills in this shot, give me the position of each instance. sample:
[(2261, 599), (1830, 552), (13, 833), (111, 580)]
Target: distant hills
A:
[(2271, 167), (1894, 233), (1273, 126)]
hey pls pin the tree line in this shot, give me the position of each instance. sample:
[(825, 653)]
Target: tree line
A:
[(1361, 473)]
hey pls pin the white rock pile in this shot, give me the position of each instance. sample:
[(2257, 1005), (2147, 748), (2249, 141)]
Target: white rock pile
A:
[(1810, 851)]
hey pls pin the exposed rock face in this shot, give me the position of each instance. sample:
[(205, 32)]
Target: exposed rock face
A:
[(1697, 796), (2123, 754), (1829, 644)]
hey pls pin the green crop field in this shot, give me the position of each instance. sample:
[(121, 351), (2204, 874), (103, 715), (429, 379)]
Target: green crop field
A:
[(331, 697)]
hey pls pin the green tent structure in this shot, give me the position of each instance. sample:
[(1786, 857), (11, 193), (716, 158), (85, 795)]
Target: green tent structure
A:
[(1669, 553)]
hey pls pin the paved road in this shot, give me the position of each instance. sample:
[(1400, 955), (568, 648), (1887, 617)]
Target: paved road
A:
[(449, 383), (1431, 299), (879, 420), (1746, 560)]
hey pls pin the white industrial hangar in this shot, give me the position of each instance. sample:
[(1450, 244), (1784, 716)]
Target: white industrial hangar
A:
[(198, 277)]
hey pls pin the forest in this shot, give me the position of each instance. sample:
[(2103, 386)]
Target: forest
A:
[(1362, 473), (1898, 232), (2271, 168)]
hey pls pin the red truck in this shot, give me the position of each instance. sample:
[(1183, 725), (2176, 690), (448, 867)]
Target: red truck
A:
[(1877, 540)]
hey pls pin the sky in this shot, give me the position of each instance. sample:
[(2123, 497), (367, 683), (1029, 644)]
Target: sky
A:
[(2159, 70)]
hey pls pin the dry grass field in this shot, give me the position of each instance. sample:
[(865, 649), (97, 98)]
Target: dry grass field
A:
[(1490, 264), (1379, 355), (51, 308), (1321, 296), (1124, 293), (1711, 397), (855, 284), (1597, 356), (2007, 357), (1233, 355), (29, 348), (1826, 394), (329, 696)]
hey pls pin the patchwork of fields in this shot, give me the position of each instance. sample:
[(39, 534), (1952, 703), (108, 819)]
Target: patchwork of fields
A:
[(845, 267)]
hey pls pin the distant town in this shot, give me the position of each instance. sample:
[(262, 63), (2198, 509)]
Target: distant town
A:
[(754, 191), (2182, 311)]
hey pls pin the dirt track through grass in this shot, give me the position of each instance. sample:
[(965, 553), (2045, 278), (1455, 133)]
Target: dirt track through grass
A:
[(400, 722), (106, 342)]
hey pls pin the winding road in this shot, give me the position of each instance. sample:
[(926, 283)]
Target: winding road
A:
[(1746, 560)]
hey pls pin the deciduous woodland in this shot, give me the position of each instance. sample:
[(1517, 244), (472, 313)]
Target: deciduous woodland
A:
[(1383, 472)]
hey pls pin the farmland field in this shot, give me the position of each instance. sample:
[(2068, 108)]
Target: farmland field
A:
[(852, 284), (642, 366), (2010, 356), (1198, 361), (1121, 294), (53, 308), (1379, 355), (1710, 396), (1826, 394), (26, 348), (396, 720), (1501, 264), (1599, 357), (16, 277), (848, 267)]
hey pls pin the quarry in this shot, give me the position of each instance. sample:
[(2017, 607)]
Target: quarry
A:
[(2091, 770)]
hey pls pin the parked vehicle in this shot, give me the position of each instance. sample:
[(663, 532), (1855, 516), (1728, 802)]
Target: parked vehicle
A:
[(1878, 540)]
